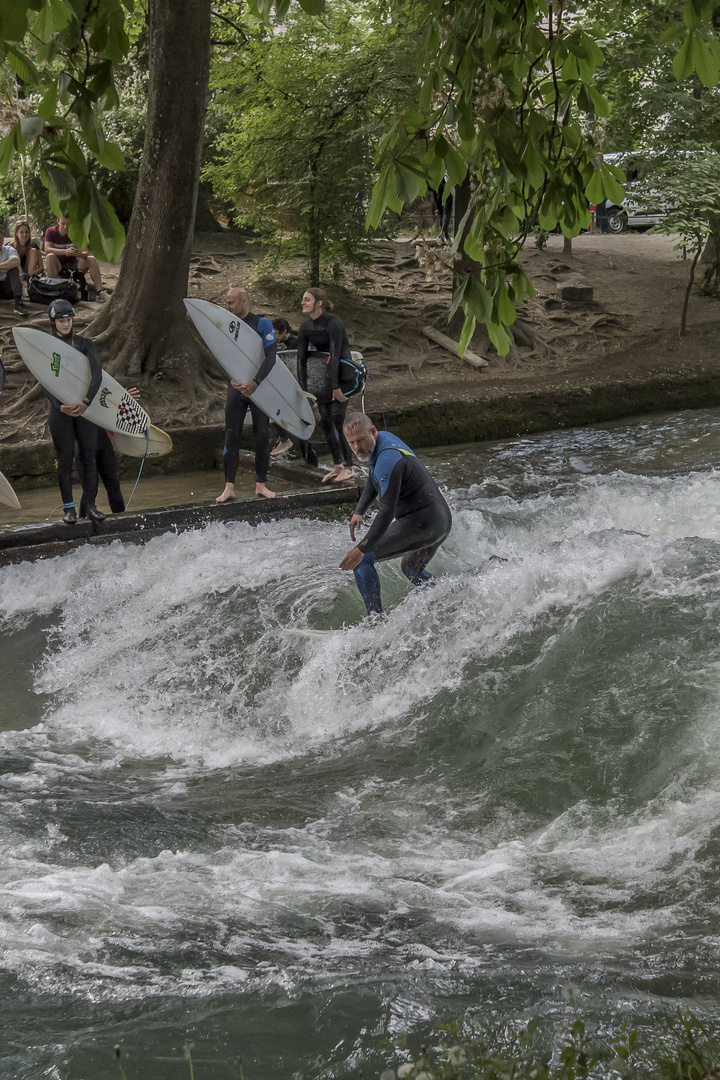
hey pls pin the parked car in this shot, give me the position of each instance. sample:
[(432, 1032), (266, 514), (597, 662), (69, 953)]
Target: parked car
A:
[(635, 212)]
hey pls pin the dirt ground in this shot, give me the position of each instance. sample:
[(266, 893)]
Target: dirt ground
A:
[(628, 333)]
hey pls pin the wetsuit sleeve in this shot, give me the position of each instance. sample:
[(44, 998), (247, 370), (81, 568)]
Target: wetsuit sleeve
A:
[(336, 335), (366, 498), (86, 346), (266, 332), (388, 506), (302, 344)]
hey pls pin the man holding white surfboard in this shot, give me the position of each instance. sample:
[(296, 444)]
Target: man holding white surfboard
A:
[(239, 400)]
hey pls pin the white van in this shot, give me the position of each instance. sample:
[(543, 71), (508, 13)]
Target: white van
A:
[(633, 214)]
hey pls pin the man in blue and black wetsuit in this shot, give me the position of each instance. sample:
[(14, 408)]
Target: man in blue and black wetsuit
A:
[(413, 519), (239, 400)]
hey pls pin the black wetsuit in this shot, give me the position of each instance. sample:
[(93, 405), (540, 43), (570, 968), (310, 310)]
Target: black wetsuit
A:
[(238, 404), (108, 472), (66, 430), (327, 334), (412, 522)]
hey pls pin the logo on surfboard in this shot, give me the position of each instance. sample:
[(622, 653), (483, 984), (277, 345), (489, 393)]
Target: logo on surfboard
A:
[(104, 395), (234, 329), (55, 364)]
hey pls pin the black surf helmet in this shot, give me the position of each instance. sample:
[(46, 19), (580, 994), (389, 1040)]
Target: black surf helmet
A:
[(60, 309)]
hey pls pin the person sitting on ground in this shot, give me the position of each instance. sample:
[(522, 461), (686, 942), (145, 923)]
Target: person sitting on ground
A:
[(67, 424), (31, 260), (62, 254), (239, 400), (324, 332), (286, 339), (413, 519), (10, 283)]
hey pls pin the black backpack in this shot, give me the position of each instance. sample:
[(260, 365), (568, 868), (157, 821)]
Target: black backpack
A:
[(43, 290)]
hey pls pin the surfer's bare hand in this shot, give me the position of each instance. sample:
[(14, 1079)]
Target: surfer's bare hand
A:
[(356, 522), (353, 558), (74, 410), (246, 388), (338, 395), (134, 392)]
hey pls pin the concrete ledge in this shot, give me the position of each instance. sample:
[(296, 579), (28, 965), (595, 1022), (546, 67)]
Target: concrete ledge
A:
[(30, 542), (428, 423)]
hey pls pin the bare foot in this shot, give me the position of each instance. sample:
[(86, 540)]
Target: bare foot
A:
[(332, 474), (263, 489), (227, 495), (346, 473)]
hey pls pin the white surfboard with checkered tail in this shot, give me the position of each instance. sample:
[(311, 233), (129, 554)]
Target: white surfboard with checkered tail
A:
[(65, 373)]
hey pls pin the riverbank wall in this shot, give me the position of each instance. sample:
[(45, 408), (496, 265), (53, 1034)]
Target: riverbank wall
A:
[(421, 423)]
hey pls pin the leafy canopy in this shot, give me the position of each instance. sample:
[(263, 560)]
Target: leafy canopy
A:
[(63, 54), (304, 108), (508, 112)]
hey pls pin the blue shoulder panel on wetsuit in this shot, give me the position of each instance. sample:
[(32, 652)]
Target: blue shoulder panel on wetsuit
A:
[(266, 331), (388, 451)]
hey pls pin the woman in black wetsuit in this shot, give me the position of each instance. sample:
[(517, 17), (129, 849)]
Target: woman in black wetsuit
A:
[(67, 425), (324, 332)]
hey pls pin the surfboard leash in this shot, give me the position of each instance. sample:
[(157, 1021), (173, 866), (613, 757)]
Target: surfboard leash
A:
[(147, 444)]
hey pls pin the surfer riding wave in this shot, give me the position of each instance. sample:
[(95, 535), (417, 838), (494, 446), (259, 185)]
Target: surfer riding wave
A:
[(413, 519)]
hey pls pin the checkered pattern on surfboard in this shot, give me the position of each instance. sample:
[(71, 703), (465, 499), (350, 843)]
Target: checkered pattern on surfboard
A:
[(131, 417)]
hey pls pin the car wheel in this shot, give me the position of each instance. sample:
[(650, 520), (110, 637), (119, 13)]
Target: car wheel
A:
[(617, 220)]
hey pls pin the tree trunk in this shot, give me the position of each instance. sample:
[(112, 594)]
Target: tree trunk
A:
[(143, 329), (686, 298), (567, 247), (314, 245)]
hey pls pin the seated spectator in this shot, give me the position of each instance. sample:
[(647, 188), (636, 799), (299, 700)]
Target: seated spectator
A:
[(285, 337), (31, 260), (61, 254), (10, 283)]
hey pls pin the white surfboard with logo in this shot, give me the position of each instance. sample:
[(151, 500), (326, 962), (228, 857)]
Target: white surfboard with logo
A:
[(239, 351), (65, 373)]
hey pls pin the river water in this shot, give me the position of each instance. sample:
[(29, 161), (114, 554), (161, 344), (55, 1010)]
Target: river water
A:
[(282, 847)]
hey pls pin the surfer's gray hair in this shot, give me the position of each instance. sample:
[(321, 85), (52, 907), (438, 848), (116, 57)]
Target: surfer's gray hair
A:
[(358, 420)]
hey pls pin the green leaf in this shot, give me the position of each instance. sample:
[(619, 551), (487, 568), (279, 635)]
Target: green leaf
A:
[(313, 7), (601, 103), (478, 301), (612, 189), (684, 62), (506, 308), (407, 183), (48, 105), (706, 65), (500, 338), (379, 198), (112, 157), (467, 332), (13, 20), (21, 64), (60, 181), (455, 166), (8, 149), (31, 127), (53, 17)]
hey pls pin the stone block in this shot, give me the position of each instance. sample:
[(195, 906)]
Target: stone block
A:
[(575, 291)]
